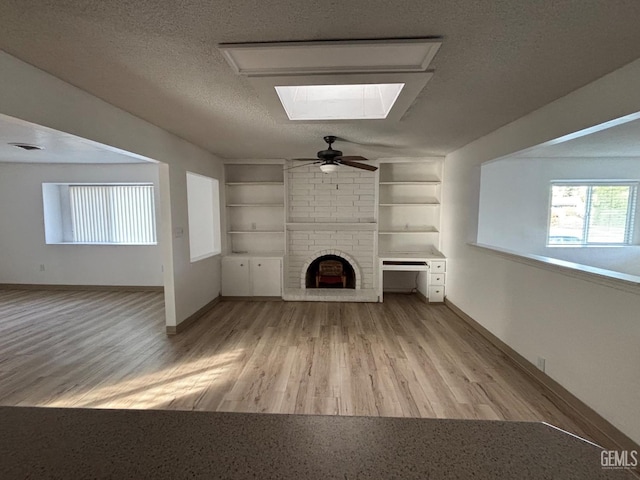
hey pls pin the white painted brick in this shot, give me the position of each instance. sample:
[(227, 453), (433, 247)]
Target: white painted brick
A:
[(363, 180), (299, 235), (344, 236), (320, 208), (347, 197)]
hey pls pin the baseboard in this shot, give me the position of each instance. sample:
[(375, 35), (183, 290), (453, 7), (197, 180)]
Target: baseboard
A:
[(251, 299), (95, 288), (193, 318), (603, 432)]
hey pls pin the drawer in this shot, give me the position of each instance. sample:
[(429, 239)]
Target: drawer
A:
[(438, 266), (437, 279), (436, 294)]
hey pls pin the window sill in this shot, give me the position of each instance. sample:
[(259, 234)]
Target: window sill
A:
[(105, 243), (601, 276), (592, 245), (205, 256)]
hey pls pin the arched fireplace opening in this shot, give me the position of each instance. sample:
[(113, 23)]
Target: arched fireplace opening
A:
[(330, 271)]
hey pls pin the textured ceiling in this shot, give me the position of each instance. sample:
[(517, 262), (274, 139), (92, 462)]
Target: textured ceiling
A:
[(617, 141), (500, 59), (57, 147)]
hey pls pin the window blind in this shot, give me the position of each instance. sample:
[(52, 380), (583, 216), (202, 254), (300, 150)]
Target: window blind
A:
[(123, 214)]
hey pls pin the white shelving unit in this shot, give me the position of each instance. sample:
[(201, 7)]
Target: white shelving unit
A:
[(255, 200), (409, 207)]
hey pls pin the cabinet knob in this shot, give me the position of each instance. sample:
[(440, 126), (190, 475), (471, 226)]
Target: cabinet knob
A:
[(259, 264), (242, 264)]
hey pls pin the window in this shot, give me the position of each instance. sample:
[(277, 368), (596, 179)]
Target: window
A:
[(203, 207), (592, 213), (118, 214)]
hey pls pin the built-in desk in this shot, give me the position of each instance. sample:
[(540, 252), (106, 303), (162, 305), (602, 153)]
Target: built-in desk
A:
[(433, 263)]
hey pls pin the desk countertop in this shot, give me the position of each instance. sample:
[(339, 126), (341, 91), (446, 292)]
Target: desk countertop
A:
[(136, 444)]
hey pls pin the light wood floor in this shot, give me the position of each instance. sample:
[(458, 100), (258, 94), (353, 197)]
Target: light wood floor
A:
[(400, 358)]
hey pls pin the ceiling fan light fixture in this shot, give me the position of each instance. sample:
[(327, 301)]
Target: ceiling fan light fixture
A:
[(329, 167)]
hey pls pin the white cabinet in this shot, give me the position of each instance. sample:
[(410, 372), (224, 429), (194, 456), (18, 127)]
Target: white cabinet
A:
[(265, 277), (436, 294), (437, 278), (235, 277), (438, 266), (251, 276)]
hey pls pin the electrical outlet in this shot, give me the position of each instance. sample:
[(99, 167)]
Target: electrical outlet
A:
[(42, 267), (253, 226), (541, 363)]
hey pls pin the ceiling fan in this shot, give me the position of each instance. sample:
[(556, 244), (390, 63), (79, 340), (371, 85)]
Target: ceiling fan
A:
[(330, 160)]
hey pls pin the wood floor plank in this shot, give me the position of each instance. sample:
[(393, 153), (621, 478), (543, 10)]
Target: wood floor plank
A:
[(399, 358)]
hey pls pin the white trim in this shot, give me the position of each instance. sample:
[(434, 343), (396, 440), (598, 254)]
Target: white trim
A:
[(600, 276), (321, 57)]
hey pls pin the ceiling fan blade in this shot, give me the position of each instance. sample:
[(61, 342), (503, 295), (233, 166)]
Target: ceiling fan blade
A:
[(353, 158), (304, 164), (361, 166)]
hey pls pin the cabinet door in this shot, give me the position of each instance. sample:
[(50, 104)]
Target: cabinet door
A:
[(235, 277), (266, 277)]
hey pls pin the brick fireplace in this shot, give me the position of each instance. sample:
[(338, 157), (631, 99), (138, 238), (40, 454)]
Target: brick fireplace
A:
[(331, 214)]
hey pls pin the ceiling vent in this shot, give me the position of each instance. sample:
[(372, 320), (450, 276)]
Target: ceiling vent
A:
[(27, 146)]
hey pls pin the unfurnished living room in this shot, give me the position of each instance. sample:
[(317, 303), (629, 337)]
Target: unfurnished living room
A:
[(319, 240)]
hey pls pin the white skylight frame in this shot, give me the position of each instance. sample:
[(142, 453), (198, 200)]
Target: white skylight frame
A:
[(270, 65), (353, 56), (363, 101)]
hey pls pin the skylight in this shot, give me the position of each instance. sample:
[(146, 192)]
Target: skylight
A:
[(339, 102)]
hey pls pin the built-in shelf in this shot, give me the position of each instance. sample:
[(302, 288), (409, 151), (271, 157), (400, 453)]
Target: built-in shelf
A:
[(430, 254), (255, 195), (255, 205), (410, 231), (409, 207), (256, 231), (232, 184), (431, 204), (417, 182), (261, 254)]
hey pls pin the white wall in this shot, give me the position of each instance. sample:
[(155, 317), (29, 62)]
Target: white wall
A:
[(32, 95), (588, 333), (514, 207), (22, 240)]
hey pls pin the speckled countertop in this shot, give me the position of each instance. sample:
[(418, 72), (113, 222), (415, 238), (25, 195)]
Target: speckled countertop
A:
[(137, 444)]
